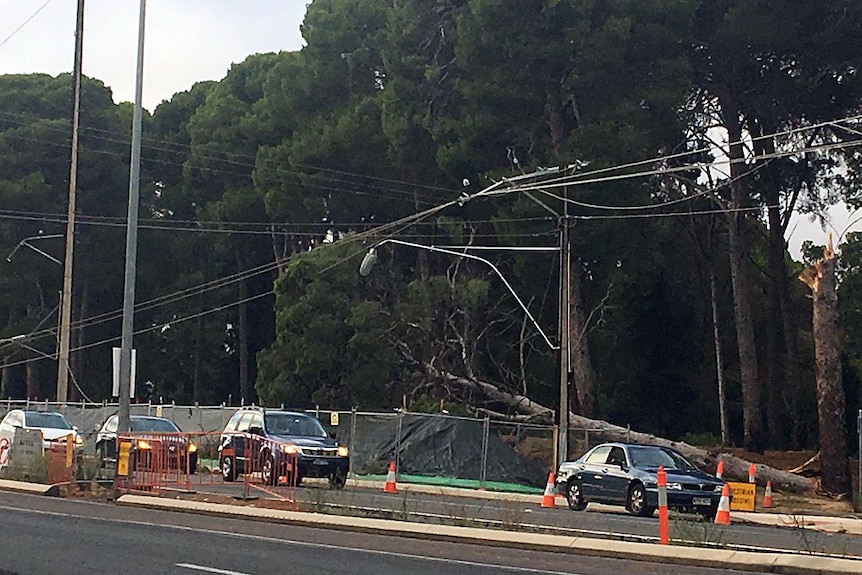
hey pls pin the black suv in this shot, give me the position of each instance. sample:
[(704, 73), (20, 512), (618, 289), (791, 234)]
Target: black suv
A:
[(264, 440)]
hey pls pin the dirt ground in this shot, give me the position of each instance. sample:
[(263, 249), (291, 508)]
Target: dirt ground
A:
[(810, 503)]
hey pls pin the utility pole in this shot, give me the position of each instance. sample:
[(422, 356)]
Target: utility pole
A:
[(565, 332), (123, 415), (66, 300)]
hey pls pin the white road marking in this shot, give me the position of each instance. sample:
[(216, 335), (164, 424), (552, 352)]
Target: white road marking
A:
[(194, 567), (443, 560)]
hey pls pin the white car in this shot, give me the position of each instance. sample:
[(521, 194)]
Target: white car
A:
[(54, 427)]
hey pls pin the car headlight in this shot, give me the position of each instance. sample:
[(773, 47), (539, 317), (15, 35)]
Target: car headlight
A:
[(192, 447), (343, 451), (677, 486), (144, 444), (718, 489), (79, 440), (290, 449)]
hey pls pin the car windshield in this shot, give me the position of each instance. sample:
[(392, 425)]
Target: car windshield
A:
[(46, 420), (293, 424), (154, 424), (653, 457)]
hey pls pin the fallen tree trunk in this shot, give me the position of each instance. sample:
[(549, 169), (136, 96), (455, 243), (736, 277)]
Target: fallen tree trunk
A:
[(735, 468)]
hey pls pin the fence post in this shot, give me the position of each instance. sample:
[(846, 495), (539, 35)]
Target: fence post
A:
[(486, 430), (398, 441)]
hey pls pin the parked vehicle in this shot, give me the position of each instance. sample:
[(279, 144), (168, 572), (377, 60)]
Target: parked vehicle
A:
[(626, 474), (53, 425), (268, 440), (155, 439)]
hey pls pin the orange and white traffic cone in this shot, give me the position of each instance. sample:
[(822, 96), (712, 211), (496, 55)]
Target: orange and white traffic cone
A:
[(767, 496), (719, 469), (390, 486), (548, 498), (722, 516), (752, 473)]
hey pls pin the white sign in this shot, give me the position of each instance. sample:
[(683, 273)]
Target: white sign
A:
[(115, 389)]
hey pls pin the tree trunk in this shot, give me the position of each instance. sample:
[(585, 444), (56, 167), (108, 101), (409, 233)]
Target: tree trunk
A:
[(32, 378), (834, 462), (198, 375), (776, 384), (5, 377), (242, 342), (719, 360), (752, 417), (583, 375)]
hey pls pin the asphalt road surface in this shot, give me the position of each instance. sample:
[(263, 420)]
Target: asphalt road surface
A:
[(612, 524), (45, 536)]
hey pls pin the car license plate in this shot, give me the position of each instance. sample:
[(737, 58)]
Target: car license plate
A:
[(320, 462), (702, 501)]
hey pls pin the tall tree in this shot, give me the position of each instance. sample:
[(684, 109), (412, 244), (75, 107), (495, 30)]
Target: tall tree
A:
[(834, 461)]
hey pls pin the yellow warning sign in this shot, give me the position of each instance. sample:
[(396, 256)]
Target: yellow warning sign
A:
[(333, 418), (742, 496)]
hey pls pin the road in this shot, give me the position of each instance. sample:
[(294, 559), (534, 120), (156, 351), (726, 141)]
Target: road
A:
[(40, 535), (609, 523)]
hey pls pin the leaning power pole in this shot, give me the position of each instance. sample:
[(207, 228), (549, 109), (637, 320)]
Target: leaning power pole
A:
[(66, 300)]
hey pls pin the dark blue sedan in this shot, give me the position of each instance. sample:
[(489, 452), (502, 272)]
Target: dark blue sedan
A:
[(625, 474)]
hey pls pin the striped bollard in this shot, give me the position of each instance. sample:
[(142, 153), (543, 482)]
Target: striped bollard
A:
[(752, 473), (663, 535)]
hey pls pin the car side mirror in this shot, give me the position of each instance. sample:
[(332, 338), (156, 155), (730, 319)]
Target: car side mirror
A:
[(75, 428)]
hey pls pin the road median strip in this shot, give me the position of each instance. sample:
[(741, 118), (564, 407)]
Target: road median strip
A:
[(784, 563)]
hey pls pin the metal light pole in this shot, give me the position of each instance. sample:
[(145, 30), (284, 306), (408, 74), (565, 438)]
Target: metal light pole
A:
[(132, 239), (66, 300)]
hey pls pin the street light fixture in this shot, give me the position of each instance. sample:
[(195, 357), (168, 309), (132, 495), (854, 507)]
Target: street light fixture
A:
[(26, 243)]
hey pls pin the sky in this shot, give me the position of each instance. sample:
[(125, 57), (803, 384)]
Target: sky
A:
[(185, 41), (188, 41)]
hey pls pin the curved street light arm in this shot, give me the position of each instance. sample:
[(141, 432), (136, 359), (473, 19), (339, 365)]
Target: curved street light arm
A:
[(26, 242), (487, 262)]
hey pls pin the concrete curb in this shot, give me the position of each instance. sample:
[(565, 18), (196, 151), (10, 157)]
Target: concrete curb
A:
[(25, 487), (693, 556)]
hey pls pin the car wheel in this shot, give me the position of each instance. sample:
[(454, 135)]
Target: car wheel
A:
[(575, 496), (337, 480), (636, 501), (228, 469), (268, 472)]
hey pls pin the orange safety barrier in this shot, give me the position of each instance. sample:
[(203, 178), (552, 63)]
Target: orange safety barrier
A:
[(663, 528)]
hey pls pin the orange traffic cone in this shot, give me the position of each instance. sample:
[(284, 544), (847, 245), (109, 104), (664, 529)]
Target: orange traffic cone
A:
[(390, 479), (722, 516), (548, 498), (719, 469), (767, 496)]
